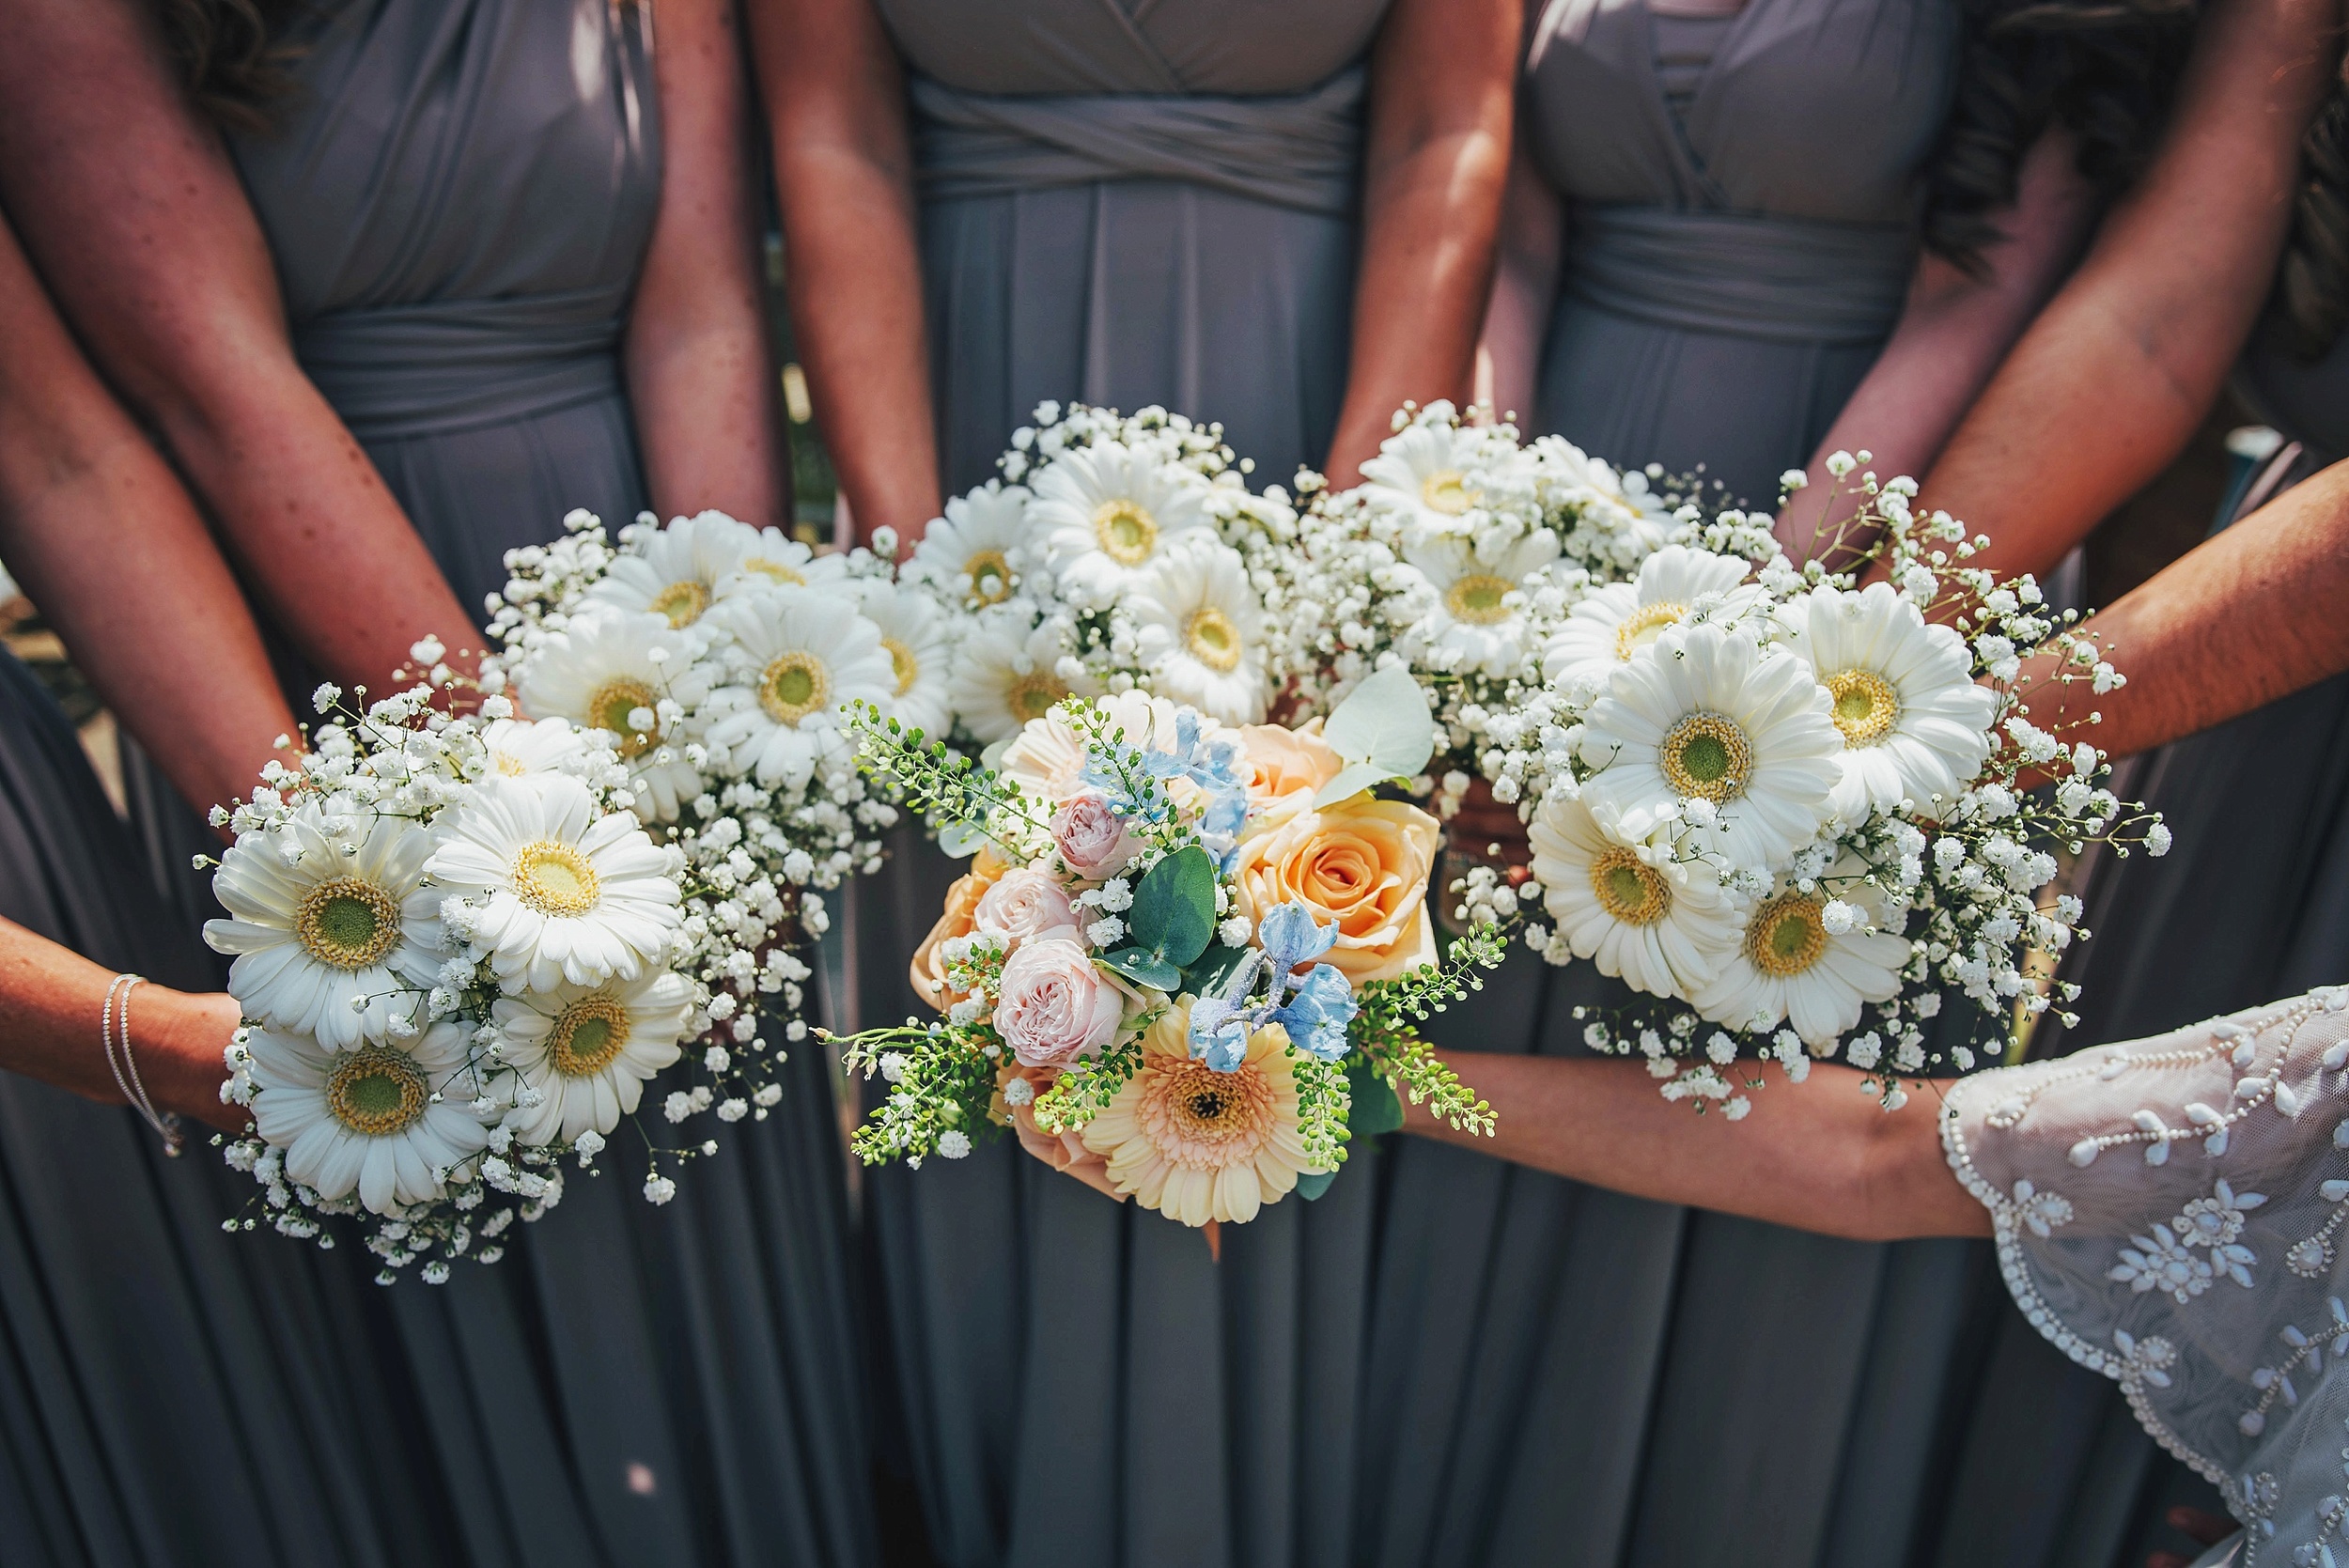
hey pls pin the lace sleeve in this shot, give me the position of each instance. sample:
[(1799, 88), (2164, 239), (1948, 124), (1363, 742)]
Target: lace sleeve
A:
[(2170, 1213)]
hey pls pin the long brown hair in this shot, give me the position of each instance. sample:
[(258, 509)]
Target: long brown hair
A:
[(232, 56)]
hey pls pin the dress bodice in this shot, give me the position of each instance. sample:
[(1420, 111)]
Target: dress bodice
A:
[(1817, 109), (1241, 48)]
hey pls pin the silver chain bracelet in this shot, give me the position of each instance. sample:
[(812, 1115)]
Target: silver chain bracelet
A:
[(115, 1020)]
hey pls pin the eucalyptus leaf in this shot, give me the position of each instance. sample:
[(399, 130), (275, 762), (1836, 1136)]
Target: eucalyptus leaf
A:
[(1206, 976), (1173, 912), (1384, 730), (1375, 1109), (1313, 1184), (1142, 965)]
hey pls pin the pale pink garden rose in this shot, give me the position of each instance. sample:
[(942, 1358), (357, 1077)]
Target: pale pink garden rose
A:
[(1022, 905), (1056, 1007), (1095, 841)]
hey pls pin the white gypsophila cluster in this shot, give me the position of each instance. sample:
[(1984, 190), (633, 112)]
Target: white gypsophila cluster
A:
[(460, 957), (1792, 810), (1118, 553), (1457, 557)]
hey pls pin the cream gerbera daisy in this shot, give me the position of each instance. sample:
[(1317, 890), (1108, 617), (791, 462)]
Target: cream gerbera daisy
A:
[(366, 1120), (776, 560), (518, 748), (1200, 634), (1704, 714), (1790, 965), (675, 571), (588, 1051), (1915, 725), (1197, 1144), (1473, 614), (1105, 515), (799, 656), (1005, 674), (976, 553), (327, 923), (1608, 625), (1047, 755), (556, 891), (1425, 473), (610, 670), (913, 634), (1661, 926)]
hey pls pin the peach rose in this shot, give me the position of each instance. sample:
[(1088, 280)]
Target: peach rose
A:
[(928, 971), (1362, 863), (1093, 841), (1290, 765), (1055, 1006), (1023, 903), (1064, 1152)]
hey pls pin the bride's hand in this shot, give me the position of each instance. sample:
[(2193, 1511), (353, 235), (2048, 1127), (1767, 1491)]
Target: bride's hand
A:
[(2205, 1529)]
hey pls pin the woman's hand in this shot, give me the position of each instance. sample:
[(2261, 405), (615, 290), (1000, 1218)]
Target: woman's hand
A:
[(178, 1040), (2205, 1529)]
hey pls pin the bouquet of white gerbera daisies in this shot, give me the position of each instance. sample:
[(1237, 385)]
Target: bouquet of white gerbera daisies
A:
[(460, 958), (1117, 553), (1186, 965), (1783, 805)]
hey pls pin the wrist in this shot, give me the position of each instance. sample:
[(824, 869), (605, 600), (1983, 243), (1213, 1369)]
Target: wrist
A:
[(179, 1039)]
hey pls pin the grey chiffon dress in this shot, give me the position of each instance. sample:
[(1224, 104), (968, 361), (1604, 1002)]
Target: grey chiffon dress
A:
[(1579, 1376), (1129, 204), (169, 1394), (458, 203)]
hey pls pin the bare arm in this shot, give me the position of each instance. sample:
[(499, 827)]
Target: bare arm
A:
[(2245, 618), (1525, 285), (1951, 335), (843, 177), (1443, 81), (2113, 377), (1825, 1156), (106, 541), (699, 372), (135, 218), (51, 1000)]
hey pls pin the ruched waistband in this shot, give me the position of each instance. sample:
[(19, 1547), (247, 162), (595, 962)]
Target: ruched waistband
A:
[(1780, 279), (1302, 150), (427, 369)]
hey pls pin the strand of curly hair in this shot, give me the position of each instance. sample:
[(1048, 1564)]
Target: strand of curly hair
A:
[(231, 55)]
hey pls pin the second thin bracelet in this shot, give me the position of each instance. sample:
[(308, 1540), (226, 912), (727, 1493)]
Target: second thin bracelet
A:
[(114, 1021)]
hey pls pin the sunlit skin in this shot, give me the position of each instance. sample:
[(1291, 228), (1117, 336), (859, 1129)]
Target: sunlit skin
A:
[(1436, 159), (135, 217)]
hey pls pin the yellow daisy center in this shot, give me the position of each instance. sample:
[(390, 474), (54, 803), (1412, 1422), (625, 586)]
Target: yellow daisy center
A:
[(795, 684), (1630, 889), (1785, 936), (586, 1035), (555, 879), (682, 602), (1212, 639), (1866, 706), (509, 764), (376, 1092), (901, 660), (348, 923), (775, 571), (1645, 624), (1708, 755), (1034, 695), (1126, 530), (609, 705), (1476, 599), (989, 575), (1446, 490)]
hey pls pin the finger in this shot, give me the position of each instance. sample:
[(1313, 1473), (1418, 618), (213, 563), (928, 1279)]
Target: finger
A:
[(2205, 1527)]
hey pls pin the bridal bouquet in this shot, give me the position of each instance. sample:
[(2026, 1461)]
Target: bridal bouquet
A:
[(1782, 806), (460, 956), (1185, 965), (1117, 553)]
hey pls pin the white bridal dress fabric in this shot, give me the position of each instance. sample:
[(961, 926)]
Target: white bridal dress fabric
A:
[(2173, 1212)]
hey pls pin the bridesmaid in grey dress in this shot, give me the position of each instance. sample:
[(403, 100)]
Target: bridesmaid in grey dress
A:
[(1216, 208), (470, 215)]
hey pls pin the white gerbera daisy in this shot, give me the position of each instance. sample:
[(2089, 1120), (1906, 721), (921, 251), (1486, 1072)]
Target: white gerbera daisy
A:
[(1480, 598), (1105, 515), (518, 748), (588, 1051), (610, 670), (1703, 714), (673, 572), (1425, 473), (1199, 631), (1661, 926), (1632, 520), (327, 923), (1788, 965), (976, 553), (366, 1120), (776, 560), (1049, 754), (1915, 725), (1197, 1144), (797, 658), (1005, 674), (1608, 625), (913, 634), (557, 891)]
